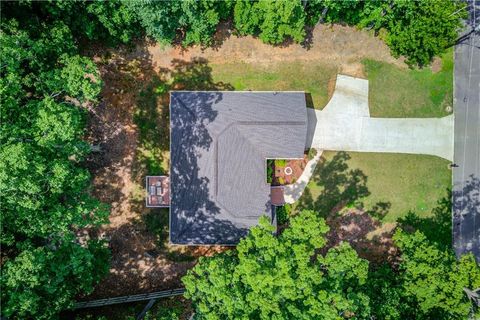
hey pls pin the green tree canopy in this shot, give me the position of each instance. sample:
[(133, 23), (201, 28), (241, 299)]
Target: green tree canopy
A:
[(44, 186), (282, 277), (195, 20), (120, 23), (272, 21), (428, 283), (420, 30), (433, 280), (42, 281), (109, 21), (286, 277)]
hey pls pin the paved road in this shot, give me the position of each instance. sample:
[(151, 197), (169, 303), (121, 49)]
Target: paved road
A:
[(466, 183), (345, 125)]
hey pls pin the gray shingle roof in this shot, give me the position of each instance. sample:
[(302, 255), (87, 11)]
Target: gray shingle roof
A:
[(219, 145)]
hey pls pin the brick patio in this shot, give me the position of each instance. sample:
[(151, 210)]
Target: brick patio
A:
[(289, 173)]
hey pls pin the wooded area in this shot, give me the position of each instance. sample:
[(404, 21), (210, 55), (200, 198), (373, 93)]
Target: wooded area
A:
[(50, 249), (293, 276)]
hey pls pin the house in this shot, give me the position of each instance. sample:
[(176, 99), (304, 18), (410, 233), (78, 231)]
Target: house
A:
[(220, 142)]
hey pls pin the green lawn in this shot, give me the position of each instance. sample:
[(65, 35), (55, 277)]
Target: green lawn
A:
[(396, 92), (406, 182), (312, 78)]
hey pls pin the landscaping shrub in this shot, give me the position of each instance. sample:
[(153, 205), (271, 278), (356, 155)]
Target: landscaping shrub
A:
[(283, 213), (269, 170)]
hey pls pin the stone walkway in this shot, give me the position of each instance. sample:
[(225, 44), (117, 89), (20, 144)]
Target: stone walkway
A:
[(345, 125)]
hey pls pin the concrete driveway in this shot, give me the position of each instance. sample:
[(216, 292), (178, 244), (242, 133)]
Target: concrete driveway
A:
[(345, 125)]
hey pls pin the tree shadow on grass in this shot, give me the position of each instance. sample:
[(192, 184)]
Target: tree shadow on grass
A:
[(109, 125), (308, 42), (437, 228), (367, 235), (151, 119), (157, 224), (337, 196), (224, 31), (379, 210), (339, 186), (195, 74)]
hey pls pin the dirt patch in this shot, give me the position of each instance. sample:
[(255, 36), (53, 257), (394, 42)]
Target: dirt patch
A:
[(354, 69), (131, 128), (334, 44), (436, 65), (372, 240)]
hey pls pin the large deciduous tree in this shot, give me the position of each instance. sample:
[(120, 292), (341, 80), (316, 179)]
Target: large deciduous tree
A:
[(420, 30), (282, 277), (433, 280), (108, 21), (42, 281), (286, 277), (272, 21), (119, 22), (428, 283)]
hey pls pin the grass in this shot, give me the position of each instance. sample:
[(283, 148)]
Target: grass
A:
[(408, 182), (396, 92), (153, 141), (310, 77)]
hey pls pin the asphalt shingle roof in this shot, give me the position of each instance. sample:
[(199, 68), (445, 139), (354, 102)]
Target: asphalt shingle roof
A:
[(219, 145)]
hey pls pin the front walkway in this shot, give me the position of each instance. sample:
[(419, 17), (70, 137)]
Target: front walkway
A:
[(292, 192), (345, 125)]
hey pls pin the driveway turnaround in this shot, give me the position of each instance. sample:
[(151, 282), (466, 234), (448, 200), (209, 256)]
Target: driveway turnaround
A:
[(345, 125), (466, 174)]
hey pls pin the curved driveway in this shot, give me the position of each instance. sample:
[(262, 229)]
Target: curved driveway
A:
[(345, 125)]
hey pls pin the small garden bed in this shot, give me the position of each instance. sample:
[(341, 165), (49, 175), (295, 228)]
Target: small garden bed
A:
[(285, 171)]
